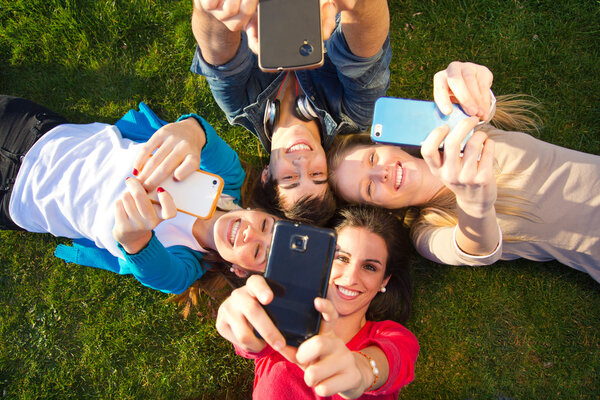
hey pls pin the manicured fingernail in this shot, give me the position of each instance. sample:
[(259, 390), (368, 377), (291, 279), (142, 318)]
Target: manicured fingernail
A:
[(135, 172), (128, 178), (159, 190)]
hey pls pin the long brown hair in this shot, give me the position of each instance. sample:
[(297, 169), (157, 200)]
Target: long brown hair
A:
[(396, 302)]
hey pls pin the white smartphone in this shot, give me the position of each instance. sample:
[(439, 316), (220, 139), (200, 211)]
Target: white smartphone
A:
[(196, 195), (408, 122)]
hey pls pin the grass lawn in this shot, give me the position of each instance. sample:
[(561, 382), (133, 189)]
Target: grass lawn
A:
[(514, 330)]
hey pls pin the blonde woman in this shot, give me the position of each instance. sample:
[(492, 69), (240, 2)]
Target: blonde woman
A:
[(507, 196)]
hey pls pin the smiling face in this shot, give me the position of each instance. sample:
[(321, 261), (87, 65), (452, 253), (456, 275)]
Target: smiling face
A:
[(358, 271), (384, 176), (243, 238)]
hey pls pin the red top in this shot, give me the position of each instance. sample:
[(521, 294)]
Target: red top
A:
[(277, 378)]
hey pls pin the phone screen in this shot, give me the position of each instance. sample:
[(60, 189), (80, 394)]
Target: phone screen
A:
[(297, 271)]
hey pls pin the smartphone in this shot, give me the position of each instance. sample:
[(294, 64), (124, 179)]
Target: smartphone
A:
[(196, 195), (408, 122), (297, 271), (289, 34)]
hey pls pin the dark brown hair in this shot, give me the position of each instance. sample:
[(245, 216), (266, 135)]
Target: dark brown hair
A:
[(396, 302)]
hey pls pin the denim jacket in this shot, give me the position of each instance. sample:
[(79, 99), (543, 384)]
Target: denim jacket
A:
[(342, 91)]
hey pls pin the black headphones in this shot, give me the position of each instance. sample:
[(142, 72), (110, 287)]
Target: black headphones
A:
[(303, 110)]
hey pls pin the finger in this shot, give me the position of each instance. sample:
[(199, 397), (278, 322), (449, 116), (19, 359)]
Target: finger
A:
[(457, 72), (252, 34), (143, 204), (145, 154), (486, 162), (315, 348), (210, 4), (328, 13), (167, 209), (257, 286), (337, 383), (189, 164), (441, 92), (470, 158), (134, 218), (329, 313), (486, 78), (430, 149), (121, 220), (161, 166)]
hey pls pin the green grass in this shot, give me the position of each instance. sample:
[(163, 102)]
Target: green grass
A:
[(518, 330)]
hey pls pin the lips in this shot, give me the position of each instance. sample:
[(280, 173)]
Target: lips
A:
[(346, 293), (299, 146), (398, 174), (234, 227)]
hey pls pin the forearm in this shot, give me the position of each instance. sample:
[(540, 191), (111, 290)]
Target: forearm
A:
[(370, 381), (366, 26), (477, 232), (217, 43)]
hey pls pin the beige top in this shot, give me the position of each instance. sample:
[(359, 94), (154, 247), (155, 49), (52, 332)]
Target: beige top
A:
[(562, 187)]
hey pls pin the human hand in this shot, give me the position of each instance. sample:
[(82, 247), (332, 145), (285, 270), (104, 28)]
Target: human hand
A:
[(236, 15), (178, 147), (467, 84), (136, 216), (469, 175), (329, 366), (242, 312)]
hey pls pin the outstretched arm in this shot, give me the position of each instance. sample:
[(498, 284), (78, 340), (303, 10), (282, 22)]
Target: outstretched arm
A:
[(470, 175), (365, 24), (330, 367)]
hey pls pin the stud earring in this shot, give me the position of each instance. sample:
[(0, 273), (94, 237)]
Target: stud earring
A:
[(382, 290)]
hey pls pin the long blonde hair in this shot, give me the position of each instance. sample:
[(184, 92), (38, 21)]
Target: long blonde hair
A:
[(513, 112)]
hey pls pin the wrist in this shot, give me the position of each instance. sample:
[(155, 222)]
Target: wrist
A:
[(369, 371)]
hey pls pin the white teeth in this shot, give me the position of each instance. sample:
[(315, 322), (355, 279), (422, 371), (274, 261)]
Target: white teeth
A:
[(398, 175), (234, 230), (347, 292), (298, 147)]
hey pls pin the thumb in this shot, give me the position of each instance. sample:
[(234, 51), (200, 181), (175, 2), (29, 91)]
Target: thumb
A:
[(329, 313)]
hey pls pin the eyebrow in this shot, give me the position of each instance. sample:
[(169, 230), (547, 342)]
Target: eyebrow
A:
[(296, 184), (290, 186)]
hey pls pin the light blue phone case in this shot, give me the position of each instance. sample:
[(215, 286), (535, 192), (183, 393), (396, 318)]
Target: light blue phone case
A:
[(408, 122)]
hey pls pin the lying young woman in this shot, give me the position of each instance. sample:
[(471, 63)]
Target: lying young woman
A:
[(507, 196), (77, 181), (359, 352)]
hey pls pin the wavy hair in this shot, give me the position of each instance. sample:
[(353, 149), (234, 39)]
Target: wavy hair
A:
[(396, 302)]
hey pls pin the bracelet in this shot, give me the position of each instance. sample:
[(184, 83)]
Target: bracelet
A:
[(373, 369)]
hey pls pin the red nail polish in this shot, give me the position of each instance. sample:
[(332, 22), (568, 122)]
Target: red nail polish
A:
[(135, 172), (159, 190), (128, 178), (175, 179)]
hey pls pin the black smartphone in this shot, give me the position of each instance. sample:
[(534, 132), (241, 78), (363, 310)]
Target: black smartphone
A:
[(297, 271), (289, 34)]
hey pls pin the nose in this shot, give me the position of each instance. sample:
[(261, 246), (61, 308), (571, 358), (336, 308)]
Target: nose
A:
[(250, 234), (350, 274), (380, 173), (299, 161)]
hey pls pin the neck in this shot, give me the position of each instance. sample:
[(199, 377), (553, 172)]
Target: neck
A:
[(203, 230), (348, 326), (432, 185)]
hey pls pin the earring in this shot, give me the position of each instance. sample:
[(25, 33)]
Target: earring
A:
[(382, 290)]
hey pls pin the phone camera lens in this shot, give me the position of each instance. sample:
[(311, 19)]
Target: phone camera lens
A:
[(306, 49), (214, 181)]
